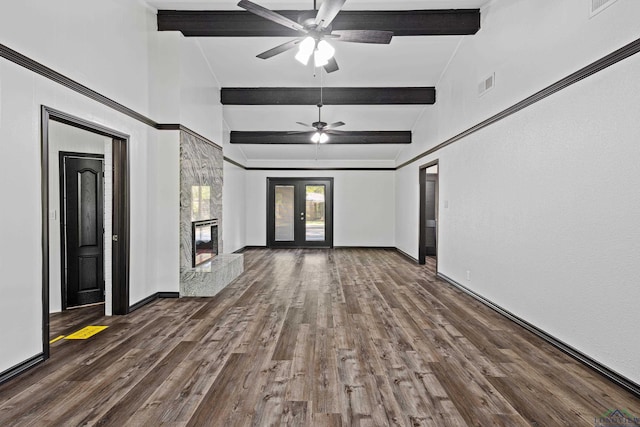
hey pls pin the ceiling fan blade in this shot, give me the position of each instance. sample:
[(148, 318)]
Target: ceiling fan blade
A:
[(328, 11), (364, 36), (335, 132), (270, 15), (331, 66), (305, 125), (279, 49), (334, 125)]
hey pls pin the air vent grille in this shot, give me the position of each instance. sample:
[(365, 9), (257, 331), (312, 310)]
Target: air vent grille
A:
[(598, 6), (486, 84)]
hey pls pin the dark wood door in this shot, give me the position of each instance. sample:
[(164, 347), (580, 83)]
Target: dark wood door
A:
[(82, 230), (300, 212)]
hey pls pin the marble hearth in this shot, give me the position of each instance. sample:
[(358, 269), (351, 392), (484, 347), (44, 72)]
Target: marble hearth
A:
[(208, 279)]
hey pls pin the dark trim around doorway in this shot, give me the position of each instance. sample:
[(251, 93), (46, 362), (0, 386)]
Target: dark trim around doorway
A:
[(121, 221), (271, 213), (422, 238), (120, 252)]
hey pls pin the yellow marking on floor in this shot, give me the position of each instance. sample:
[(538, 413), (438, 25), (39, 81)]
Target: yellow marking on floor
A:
[(86, 332), (58, 338)]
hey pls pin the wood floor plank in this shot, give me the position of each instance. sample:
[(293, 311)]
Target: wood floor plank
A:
[(270, 406), (295, 414), (289, 334), (326, 386), (311, 337), (122, 411), (221, 391)]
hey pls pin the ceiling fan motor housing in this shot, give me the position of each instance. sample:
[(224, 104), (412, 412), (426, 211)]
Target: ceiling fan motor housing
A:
[(319, 125)]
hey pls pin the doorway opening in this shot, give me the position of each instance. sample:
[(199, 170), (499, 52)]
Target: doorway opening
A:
[(299, 212), (114, 230), (428, 235)]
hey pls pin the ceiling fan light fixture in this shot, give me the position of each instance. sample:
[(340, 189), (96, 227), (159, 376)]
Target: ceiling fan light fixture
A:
[(319, 59), (326, 49), (323, 53), (315, 138), (323, 138), (305, 50)]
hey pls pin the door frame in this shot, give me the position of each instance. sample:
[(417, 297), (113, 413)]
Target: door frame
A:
[(328, 206), (120, 214), (422, 238), (63, 241)]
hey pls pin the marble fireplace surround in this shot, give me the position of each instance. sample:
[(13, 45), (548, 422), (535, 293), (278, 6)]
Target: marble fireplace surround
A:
[(201, 165)]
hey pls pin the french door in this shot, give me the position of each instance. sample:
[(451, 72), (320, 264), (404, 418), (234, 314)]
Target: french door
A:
[(300, 212)]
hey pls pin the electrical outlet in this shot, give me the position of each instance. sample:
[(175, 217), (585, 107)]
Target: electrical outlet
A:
[(468, 275), (53, 214)]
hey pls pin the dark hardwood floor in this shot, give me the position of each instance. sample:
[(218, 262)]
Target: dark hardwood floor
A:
[(313, 337), (69, 321)]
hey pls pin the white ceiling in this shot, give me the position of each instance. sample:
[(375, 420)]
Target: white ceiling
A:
[(407, 61)]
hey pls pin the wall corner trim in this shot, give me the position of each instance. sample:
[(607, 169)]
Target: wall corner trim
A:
[(38, 68), (177, 126), (407, 256), (233, 162), (21, 367), (151, 298), (603, 370)]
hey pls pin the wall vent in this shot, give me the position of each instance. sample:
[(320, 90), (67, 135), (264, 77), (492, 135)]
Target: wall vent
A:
[(486, 84), (597, 6)]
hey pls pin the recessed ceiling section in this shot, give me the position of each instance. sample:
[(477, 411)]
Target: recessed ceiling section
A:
[(356, 118), (375, 98), (406, 62), (323, 152)]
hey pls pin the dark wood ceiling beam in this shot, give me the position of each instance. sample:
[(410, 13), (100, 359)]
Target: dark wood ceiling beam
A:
[(345, 137), (330, 96), (210, 23)]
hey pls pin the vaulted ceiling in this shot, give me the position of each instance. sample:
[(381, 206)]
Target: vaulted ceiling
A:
[(380, 91)]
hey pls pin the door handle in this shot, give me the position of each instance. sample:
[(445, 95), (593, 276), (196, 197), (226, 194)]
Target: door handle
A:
[(301, 216), (114, 237)]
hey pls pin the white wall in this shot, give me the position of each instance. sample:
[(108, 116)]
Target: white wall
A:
[(233, 208), (164, 219), (528, 44), (64, 138), (85, 41), (20, 276), (110, 47), (543, 211), (200, 107), (363, 206), (542, 206), (407, 194)]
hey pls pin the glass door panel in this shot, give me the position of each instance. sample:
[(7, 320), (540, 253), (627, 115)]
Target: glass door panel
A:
[(315, 208), (299, 212), (284, 213)]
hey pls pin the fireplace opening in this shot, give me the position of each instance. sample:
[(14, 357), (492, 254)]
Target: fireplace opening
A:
[(204, 241)]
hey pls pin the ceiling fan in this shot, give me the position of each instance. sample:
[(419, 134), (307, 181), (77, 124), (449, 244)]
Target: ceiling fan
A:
[(322, 129), (314, 33)]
